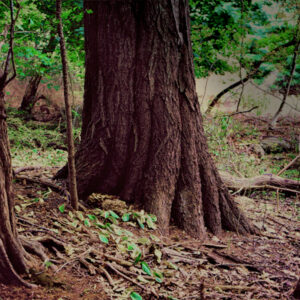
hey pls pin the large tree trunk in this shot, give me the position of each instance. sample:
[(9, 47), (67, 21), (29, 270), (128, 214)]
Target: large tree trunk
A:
[(12, 260), (142, 134)]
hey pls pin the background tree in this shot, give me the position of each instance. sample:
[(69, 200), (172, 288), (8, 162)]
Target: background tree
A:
[(267, 29), (287, 86), (36, 53), (12, 261), (142, 134)]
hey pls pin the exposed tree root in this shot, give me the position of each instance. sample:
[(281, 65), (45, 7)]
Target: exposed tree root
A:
[(50, 241), (87, 265), (42, 228), (35, 247), (108, 277), (9, 276)]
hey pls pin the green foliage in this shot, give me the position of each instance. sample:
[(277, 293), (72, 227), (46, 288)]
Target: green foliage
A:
[(135, 296), (35, 141), (230, 34), (48, 263), (229, 141), (146, 268), (103, 238), (62, 208), (36, 42)]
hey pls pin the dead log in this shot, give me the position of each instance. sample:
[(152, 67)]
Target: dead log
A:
[(266, 180)]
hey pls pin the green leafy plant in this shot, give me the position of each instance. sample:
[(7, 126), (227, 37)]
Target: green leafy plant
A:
[(62, 208), (135, 296)]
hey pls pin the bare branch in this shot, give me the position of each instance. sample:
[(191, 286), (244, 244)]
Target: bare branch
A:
[(243, 112), (11, 42), (293, 68)]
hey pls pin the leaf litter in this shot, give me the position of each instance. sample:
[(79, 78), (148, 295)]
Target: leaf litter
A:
[(119, 253)]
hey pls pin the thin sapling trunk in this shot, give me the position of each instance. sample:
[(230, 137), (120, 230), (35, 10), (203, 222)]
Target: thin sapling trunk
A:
[(71, 147)]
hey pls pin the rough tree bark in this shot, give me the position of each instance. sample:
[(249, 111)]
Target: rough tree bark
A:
[(296, 293), (11, 252), (142, 133), (12, 260)]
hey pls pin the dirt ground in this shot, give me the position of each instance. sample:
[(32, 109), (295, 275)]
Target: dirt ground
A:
[(225, 267)]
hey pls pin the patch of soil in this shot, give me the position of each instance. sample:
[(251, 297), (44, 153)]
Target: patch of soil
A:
[(72, 287), (224, 267)]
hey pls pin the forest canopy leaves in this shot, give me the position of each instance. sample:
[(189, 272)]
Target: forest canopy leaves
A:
[(225, 36)]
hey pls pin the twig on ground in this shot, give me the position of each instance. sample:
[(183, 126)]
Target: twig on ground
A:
[(118, 260), (242, 112), (288, 165), (113, 268), (108, 277), (49, 231), (65, 264), (230, 287)]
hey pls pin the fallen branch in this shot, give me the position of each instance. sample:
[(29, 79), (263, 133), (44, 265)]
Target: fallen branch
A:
[(229, 287), (118, 260), (124, 276), (43, 182), (243, 112), (288, 165), (262, 181), (28, 168)]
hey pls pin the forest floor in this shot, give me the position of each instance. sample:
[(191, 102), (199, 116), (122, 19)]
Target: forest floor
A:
[(112, 251)]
